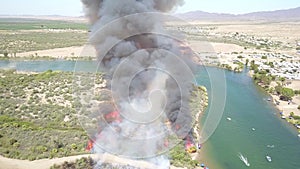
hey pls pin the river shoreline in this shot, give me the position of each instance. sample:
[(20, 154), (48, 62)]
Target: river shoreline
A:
[(201, 154), (284, 107)]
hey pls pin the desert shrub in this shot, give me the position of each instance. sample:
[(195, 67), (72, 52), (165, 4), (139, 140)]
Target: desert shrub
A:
[(12, 141), (180, 158), (264, 57), (74, 146)]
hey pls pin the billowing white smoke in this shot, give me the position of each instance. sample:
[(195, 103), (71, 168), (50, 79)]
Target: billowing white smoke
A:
[(145, 74)]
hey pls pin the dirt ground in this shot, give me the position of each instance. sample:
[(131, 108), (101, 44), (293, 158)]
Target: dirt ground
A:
[(62, 52), (6, 163)]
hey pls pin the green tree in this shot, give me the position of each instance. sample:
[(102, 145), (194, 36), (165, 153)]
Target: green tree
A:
[(278, 89), (264, 57), (5, 54), (254, 67), (271, 90), (282, 79), (287, 94), (271, 64), (247, 61)]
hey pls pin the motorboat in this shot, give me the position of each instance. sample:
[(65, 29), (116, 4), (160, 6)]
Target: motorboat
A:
[(244, 159), (268, 158)]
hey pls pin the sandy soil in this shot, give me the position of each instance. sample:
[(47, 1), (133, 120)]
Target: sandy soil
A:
[(292, 107), (7, 163), (224, 49), (62, 52), (197, 46), (286, 32), (200, 46), (282, 31)]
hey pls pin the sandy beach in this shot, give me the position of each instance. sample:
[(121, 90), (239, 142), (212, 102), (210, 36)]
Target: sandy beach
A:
[(293, 106), (61, 53)]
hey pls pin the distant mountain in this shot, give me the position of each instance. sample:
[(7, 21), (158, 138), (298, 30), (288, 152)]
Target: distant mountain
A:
[(196, 15), (274, 15), (280, 15)]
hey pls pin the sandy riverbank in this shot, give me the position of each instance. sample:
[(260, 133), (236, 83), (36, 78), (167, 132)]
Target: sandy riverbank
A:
[(202, 155), (283, 106), (61, 53), (293, 106)]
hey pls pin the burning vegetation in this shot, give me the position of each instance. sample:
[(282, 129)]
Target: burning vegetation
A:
[(150, 77)]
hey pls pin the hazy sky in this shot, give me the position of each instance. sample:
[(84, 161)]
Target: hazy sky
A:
[(73, 7)]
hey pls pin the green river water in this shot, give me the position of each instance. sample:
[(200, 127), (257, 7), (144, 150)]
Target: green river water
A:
[(248, 108)]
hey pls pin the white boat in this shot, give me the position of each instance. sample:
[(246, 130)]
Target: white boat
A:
[(253, 129), (269, 158), (244, 159), (228, 118)]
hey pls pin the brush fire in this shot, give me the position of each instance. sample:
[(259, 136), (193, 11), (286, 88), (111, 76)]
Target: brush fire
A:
[(150, 76)]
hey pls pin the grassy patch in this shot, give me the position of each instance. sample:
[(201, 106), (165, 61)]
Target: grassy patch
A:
[(16, 42), (36, 24)]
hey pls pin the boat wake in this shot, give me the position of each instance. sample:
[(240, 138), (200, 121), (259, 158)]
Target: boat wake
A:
[(244, 159)]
